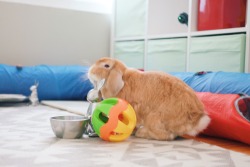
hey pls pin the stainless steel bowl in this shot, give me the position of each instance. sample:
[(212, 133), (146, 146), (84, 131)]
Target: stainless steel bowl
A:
[(69, 127)]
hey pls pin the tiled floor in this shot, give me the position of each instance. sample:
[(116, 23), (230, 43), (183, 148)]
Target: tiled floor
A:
[(27, 140)]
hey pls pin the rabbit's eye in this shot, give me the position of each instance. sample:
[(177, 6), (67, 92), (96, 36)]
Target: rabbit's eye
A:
[(106, 66)]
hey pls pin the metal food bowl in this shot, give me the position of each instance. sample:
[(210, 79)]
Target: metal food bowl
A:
[(69, 127)]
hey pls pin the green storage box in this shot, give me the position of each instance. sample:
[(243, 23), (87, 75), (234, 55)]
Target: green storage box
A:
[(131, 53), (130, 18), (168, 55), (218, 53)]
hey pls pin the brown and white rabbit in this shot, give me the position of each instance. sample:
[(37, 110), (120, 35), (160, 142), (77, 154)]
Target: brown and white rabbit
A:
[(165, 106)]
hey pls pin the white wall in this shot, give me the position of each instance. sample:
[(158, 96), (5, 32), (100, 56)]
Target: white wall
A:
[(98, 6), (32, 34)]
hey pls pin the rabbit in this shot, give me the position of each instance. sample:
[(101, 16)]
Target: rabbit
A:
[(165, 106), (34, 96)]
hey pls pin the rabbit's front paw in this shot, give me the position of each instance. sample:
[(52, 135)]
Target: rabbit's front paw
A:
[(142, 132)]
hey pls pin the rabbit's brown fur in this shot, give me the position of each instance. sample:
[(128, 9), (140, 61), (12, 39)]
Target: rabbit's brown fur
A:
[(165, 106)]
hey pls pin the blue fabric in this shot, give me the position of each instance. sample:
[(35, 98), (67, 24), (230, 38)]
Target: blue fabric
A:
[(55, 82), (71, 82), (217, 82)]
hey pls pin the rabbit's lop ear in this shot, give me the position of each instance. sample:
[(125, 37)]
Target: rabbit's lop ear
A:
[(114, 82)]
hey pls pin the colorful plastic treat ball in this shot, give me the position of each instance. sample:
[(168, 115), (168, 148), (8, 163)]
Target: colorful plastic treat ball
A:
[(114, 119)]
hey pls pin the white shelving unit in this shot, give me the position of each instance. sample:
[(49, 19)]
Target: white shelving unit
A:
[(157, 20)]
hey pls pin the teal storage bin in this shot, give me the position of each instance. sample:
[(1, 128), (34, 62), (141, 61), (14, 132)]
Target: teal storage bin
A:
[(131, 53), (168, 55), (218, 53), (130, 18)]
